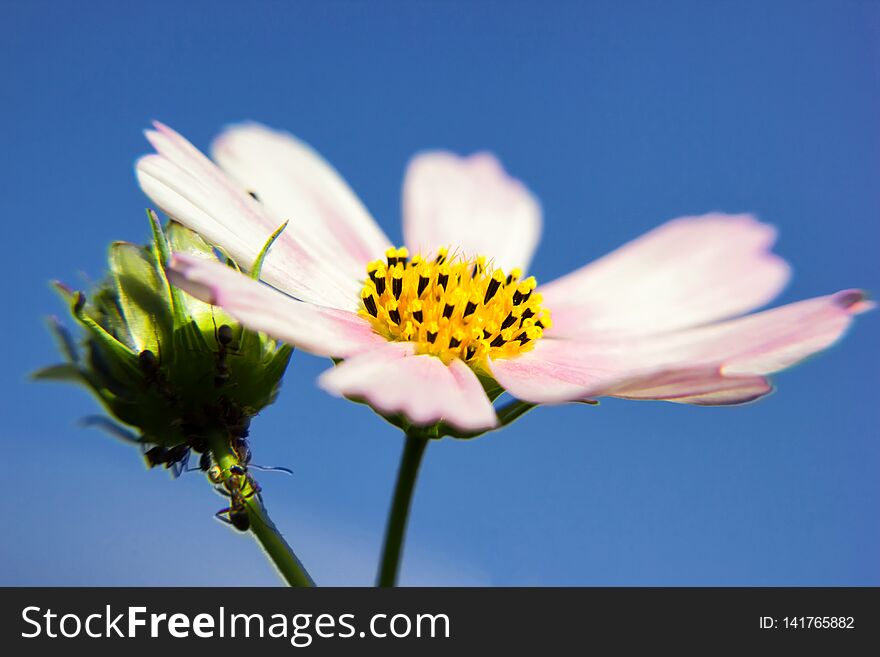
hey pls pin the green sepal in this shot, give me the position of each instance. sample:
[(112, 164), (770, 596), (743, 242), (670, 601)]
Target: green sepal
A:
[(490, 385), (182, 240), (513, 411), (120, 361), (110, 427), (277, 363), (257, 268), (64, 339), (66, 372), (161, 250), (146, 312)]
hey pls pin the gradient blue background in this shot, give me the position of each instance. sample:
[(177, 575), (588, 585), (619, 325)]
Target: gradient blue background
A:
[(619, 116)]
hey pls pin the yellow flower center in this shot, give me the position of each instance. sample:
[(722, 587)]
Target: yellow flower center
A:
[(453, 307)]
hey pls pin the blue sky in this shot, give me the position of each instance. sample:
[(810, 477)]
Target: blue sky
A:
[(619, 116)]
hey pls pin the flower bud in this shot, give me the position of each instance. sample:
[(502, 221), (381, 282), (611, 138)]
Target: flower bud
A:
[(172, 367)]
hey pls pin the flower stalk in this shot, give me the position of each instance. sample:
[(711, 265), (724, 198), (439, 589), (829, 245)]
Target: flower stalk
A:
[(413, 450), (277, 549)]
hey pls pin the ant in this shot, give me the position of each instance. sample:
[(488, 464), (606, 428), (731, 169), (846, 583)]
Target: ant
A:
[(224, 338), (148, 363), (233, 487), (242, 450), (213, 471), (193, 436), (239, 479), (174, 458), (241, 428), (236, 512), (205, 463)]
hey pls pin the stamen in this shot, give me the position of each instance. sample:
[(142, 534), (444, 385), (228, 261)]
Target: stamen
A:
[(393, 311), (479, 266), (370, 302), (423, 283), (379, 279), (432, 332), (455, 340), (524, 290), (453, 307), (494, 284), (397, 281)]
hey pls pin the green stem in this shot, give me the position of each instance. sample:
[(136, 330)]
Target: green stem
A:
[(413, 450), (264, 530)]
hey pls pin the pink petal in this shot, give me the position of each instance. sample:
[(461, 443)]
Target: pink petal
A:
[(701, 386), (558, 370), (471, 205), (190, 188), (295, 182), (721, 363), (549, 376), (687, 272), (765, 342), (318, 330), (392, 379)]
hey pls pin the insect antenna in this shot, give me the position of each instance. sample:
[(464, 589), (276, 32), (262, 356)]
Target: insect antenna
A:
[(271, 468)]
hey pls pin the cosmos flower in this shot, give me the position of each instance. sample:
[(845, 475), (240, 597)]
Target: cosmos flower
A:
[(435, 331)]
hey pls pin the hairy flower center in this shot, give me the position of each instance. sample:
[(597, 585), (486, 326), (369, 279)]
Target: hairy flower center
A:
[(453, 307)]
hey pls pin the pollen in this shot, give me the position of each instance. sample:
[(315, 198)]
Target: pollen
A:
[(453, 307)]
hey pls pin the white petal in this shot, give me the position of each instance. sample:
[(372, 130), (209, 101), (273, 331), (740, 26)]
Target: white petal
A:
[(471, 205), (392, 379), (294, 182), (318, 330), (687, 272), (190, 188)]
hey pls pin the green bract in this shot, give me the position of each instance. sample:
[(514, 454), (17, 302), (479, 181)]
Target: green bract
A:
[(161, 361)]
